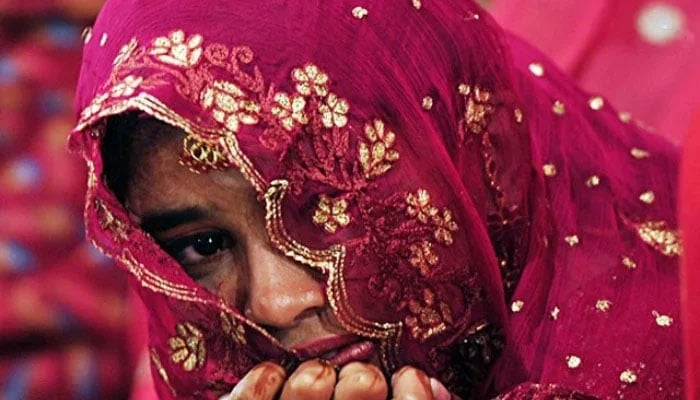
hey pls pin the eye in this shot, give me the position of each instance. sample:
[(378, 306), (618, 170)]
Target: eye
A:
[(199, 248)]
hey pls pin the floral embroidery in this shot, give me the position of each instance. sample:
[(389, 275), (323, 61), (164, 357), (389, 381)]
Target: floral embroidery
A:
[(478, 109), (310, 80), (176, 49), (188, 348), (95, 106), (202, 156), (657, 235), (331, 214), (290, 110), (229, 105), (445, 225), (419, 206), (127, 87), (423, 257), (233, 328), (333, 111), (377, 156), (125, 52), (428, 317)]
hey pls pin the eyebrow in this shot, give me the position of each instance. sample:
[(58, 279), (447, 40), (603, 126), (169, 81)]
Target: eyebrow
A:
[(163, 221)]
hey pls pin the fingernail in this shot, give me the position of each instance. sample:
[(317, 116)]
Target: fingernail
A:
[(440, 392)]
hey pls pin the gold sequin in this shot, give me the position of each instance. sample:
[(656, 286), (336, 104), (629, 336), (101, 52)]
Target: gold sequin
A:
[(554, 314), (663, 321), (573, 362), (625, 117), (593, 181), (660, 237), (572, 240), (596, 103), (517, 306), (359, 12), (628, 376), (417, 4), (603, 305), (549, 170), (86, 34), (639, 154), (331, 214), (103, 40), (427, 103), (559, 108), (647, 197), (629, 263), (518, 113), (536, 69)]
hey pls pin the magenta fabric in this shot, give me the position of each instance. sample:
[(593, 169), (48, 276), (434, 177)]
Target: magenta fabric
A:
[(496, 227), (601, 44)]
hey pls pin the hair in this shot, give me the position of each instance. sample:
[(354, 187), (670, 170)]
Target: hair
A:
[(129, 139)]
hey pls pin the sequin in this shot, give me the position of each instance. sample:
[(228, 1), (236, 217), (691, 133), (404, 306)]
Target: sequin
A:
[(572, 240), (559, 108), (554, 314), (663, 321), (359, 12), (518, 113), (596, 103), (628, 376), (593, 181), (549, 170), (517, 306), (103, 40), (603, 305), (427, 103), (573, 362), (647, 197), (629, 263), (86, 34), (638, 153), (536, 69)]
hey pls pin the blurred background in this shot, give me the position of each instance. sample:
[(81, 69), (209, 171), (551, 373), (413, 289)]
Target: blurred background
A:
[(69, 326)]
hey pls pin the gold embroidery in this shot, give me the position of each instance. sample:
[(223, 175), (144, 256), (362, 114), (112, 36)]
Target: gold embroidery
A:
[(188, 347), (86, 34), (125, 52), (663, 321), (596, 103), (647, 197), (517, 306), (203, 156), (629, 263), (639, 154), (428, 318), (419, 206), (519, 117), (445, 225), (103, 40), (290, 110), (572, 240), (628, 376), (359, 12), (310, 80), (127, 87), (625, 117), (573, 362), (229, 105), (657, 235), (427, 103), (549, 170), (377, 155), (161, 371), (603, 305), (417, 4), (478, 109), (423, 257), (331, 214), (176, 49), (536, 69), (333, 111), (555, 313), (559, 108), (593, 181), (95, 106), (109, 222), (233, 328)]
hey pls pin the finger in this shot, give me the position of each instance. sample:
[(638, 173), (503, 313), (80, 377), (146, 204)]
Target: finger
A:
[(411, 384), (313, 380), (440, 392), (361, 381), (262, 382)]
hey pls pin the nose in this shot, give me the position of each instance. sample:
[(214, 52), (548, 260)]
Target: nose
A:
[(280, 292)]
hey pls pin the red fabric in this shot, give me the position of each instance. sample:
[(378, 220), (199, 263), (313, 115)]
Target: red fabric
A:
[(690, 218), (452, 199), (601, 45)]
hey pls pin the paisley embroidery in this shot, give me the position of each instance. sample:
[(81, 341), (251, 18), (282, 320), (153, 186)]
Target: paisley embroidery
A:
[(187, 347)]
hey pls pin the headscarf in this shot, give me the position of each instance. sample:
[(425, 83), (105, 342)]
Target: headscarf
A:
[(472, 211)]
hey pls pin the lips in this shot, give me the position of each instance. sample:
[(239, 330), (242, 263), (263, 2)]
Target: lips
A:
[(338, 350)]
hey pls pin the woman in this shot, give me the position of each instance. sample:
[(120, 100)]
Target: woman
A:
[(385, 185)]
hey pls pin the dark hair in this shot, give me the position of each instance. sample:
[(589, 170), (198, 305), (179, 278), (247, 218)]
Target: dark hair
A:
[(129, 138)]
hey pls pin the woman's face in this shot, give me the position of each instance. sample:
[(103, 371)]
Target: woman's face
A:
[(214, 227)]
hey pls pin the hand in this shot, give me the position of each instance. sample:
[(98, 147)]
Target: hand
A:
[(315, 380)]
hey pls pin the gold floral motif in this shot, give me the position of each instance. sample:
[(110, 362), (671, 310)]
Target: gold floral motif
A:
[(603, 305), (232, 327), (445, 225), (428, 317), (204, 156), (419, 206), (628, 376), (188, 347), (310, 80), (176, 49), (230, 105), (478, 109), (333, 111), (125, 52), (331, 214), (95, 106), (559, 108), (377, 155), (658, 235), (423, 257), (290, 110), (127, 87)]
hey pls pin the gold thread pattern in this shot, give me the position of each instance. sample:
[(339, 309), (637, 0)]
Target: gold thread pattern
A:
[(177, 49), (187, 348), (376, 153), (234, 329), (658, 235), (331, 214)]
